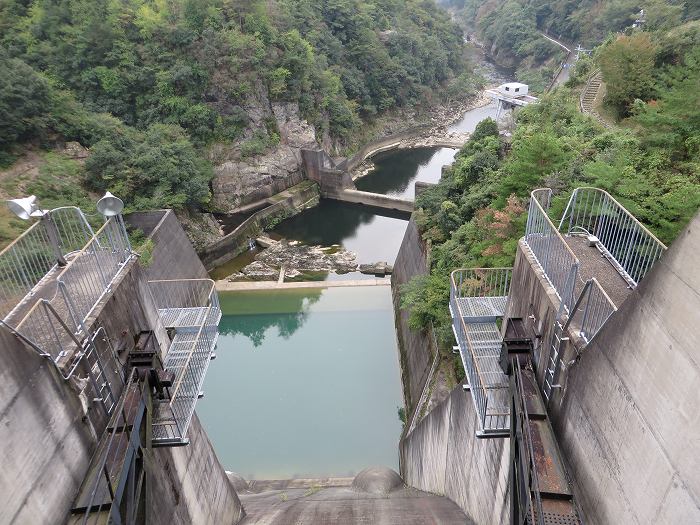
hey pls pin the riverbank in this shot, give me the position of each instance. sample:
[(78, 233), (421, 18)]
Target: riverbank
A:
[(435, 134)]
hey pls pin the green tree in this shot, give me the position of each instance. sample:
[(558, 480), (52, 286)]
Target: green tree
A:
[(155, 169), (627, 65), (24, 102)]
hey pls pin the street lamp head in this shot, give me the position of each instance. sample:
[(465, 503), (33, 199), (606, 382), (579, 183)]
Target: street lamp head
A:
[(109, 205), (25, 207)]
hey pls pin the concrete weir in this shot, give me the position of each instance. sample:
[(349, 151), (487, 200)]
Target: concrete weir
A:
[(336, 183), (376, 200)]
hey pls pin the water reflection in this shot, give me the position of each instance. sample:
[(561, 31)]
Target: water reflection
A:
[(317, 396), (252, 314), (360, 229), (397, 171)]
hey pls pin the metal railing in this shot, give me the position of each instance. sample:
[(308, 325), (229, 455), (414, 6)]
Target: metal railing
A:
[(592, 309), (67, 297), (558, 261), (29, 258), (191, 307), (477, 298), (626, 242)]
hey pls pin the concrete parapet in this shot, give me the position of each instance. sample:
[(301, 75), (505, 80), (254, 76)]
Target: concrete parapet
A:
[(173, 256)]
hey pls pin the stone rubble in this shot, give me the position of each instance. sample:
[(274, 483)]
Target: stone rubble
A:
[(298, 258)]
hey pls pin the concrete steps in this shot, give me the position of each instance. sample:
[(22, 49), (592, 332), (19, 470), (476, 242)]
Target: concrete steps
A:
[(590, 92)]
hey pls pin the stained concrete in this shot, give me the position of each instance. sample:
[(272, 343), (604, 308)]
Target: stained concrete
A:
[(416, 347), (375, 200), (377, 480), (289, 203), (173, 256), (442, 455), (628, 422), (49, 428), (343, 505)]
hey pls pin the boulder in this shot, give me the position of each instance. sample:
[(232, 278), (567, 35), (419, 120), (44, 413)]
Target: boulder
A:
[(377, 480)]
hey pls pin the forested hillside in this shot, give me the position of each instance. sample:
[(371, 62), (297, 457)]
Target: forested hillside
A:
[(147, 85), (510, 29), (649, 159)]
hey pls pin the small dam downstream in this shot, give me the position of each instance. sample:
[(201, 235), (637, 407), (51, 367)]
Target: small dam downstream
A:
[(306, 383)]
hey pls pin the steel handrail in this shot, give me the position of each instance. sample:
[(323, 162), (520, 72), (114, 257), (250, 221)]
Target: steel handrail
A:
[(549, 221), (191, 352), (210, 303), (601, 312), (83, 251), (37, 223), (564, 280), (620, 236), (482, 386)]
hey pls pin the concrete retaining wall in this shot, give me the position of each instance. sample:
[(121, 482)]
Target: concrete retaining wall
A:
[(382, 144), (173, 256), (415, 347), (269, 190), (443, 456), (236, 243)]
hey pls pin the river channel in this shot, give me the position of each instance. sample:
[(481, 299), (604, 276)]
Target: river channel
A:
[(307, 381)]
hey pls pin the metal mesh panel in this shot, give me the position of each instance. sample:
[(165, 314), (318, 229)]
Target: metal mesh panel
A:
[(478, 298), (191, 307)]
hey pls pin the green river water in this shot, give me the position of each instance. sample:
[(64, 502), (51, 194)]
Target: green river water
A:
[(305, 384)]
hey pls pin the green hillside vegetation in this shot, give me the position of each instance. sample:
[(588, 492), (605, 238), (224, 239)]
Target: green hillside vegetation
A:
[(147, 85), (510, 29), (650, 163)]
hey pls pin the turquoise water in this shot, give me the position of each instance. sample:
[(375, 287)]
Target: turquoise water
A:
[(306, 383)]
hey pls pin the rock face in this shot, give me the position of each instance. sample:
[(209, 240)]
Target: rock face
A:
[(297, 258), (238, 181)]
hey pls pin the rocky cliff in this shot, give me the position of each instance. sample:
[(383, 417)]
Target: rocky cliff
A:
[(239, 180)]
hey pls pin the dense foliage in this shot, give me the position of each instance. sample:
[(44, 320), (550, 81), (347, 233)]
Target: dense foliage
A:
[(510, 29), (148, 84), (651, 163)]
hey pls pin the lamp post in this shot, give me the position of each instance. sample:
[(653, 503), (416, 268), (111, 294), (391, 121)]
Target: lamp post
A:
[(25, 208)]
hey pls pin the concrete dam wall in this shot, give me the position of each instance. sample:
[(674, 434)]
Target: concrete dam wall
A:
[(625, 415), (443, 456), (52, 426), (415, 347)]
